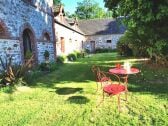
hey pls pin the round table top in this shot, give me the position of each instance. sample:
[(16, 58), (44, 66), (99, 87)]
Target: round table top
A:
[(124, 71)]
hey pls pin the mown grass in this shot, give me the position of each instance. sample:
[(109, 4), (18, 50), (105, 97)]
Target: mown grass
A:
[(68, 97)]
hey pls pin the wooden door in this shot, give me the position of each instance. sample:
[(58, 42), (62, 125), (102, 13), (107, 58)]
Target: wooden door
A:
[(92, 46), (62, 44)]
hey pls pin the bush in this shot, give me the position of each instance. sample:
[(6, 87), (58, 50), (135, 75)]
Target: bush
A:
[(72, 57), (87, 51), (61, 59), (11, 74), (103, 50), (79, 54), (123, 47), (46, 54), (44, 67)]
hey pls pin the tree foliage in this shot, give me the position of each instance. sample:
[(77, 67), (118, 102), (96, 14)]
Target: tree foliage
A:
[(147, 23), (57, 2), (89, 9)]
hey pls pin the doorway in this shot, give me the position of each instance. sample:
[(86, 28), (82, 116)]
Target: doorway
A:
[(92, 46), (62, 44), (28, 46)]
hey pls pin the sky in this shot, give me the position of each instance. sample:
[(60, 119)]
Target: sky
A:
[(70, 5)]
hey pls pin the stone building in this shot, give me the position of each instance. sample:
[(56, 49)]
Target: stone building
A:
[(26, 26), (69, 37), (72, 35), (30, 26), (102, 33)]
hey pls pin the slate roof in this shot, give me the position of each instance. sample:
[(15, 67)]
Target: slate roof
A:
[(67, 23), (101, 26)]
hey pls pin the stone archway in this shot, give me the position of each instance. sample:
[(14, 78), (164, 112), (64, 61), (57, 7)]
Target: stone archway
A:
[(28, 43)]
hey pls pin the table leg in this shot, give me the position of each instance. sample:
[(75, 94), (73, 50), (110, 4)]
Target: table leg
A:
[(126, 85)]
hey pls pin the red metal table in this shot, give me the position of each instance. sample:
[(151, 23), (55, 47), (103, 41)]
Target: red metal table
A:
[(124, 73)]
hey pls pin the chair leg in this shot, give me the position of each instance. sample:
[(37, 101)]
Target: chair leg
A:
[(97, 86), (119, 107), (101, 100), (126, 93)]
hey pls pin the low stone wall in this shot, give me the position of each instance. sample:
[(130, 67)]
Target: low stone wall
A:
[(10, 48), (41, 47)]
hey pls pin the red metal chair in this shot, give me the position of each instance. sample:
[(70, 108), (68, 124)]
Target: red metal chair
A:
[(96, 70), (112, 88)]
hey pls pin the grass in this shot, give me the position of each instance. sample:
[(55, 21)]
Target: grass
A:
[(67, 97)]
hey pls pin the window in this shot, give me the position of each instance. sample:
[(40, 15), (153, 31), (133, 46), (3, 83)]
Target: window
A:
[(108, 41), (70, 40), (46, 37)]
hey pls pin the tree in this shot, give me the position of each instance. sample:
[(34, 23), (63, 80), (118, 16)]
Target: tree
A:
[(57, 2), (89, 9), (146, 19)]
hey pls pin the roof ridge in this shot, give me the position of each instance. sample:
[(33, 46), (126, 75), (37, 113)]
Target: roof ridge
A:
[(113, 19)]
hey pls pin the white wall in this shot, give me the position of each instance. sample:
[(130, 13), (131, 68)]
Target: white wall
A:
[(70, 45)]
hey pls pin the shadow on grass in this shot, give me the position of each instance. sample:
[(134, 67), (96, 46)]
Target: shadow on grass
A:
[(68, 90), (80, 72), (78, 99)]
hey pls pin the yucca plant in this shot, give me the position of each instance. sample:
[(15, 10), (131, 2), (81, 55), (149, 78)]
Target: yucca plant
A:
[(10, 74)]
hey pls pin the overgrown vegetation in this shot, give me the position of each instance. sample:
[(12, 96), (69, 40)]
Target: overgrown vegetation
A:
[(10, 73)]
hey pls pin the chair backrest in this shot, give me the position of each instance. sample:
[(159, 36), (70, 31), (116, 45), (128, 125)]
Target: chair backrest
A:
[(103, 78), (95, 70)]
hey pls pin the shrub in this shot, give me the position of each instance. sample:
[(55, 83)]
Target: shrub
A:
[(46, 53), (61, 59), (28, 55), (71, 57), (123, 47), (11, 74), (44, 66), (103, 50), (87, 51), (79, 54)]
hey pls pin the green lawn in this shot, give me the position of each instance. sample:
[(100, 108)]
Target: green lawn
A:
[(67, 97)]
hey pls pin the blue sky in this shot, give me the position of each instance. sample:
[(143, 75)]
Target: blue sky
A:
[(70, 5)]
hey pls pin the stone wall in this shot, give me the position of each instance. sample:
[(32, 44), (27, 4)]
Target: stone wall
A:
[(10, 48), (101, 41), (42, 46), (17, 15)]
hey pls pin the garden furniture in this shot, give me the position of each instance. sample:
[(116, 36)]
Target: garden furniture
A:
[(124, 73), (96, 70), (111, 87)]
